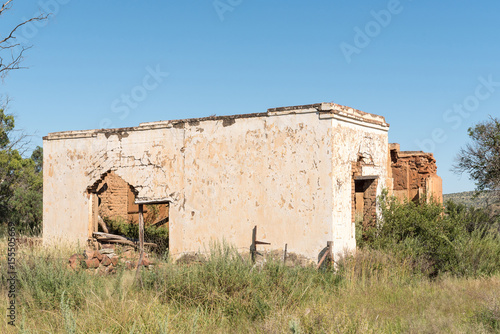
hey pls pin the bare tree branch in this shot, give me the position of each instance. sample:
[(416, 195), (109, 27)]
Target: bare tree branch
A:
[(5, 6), (10, 44)]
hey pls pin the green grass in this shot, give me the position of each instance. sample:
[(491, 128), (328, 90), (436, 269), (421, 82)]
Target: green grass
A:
[(370, 292), (424, 269)]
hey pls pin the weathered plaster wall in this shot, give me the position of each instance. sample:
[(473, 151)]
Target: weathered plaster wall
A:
[(287, 171), (273, 172), (66, 206), (351, 142)]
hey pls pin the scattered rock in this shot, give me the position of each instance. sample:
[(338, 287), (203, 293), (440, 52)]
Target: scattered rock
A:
[(88, 254), (128, 254), (92, 263), (106, 261), (74, 260), (98, 255), (107, 251)]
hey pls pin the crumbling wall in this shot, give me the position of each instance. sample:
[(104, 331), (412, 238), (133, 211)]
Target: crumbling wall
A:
[(370, 203), (113, 196), (359, 149), (414, 175)]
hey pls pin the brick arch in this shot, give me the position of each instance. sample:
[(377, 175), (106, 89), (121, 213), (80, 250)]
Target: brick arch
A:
[(113, 197), (100, 181)]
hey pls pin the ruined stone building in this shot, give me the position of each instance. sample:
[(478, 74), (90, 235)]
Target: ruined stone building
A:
[(302, 174)]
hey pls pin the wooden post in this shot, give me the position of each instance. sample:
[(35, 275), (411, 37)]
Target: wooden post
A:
[(141, 229), (253, 247), (328, 253), (255, 242), (95, 213), (141, 240), (284, 254), (329, 244)]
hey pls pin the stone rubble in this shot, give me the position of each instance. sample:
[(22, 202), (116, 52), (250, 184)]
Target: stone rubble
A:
[(105, 261)]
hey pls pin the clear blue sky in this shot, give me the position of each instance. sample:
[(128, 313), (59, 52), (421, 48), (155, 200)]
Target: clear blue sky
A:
[(430, 67)]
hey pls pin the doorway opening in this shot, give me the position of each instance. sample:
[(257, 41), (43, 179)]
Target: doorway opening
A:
[(365, 201)]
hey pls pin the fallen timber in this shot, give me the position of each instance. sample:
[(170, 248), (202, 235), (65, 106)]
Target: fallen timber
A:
[(118, 239)]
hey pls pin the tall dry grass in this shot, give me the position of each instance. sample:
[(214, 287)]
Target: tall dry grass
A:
[(369, 292)]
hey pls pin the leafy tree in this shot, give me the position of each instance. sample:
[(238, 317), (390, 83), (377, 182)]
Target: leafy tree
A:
[(20, 181), (37, 157), (20, 178), (481, 158)]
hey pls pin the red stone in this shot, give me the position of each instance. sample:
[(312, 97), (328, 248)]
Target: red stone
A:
[(74, 260), (106, 261), (92, 263), (89, 254)]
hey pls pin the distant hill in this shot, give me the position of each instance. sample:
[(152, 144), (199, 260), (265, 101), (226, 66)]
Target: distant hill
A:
[(489, 199)]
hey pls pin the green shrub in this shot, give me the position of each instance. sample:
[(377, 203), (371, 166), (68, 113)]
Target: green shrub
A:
[(419, 231), (121, 227), (478, 254), (457, 239)]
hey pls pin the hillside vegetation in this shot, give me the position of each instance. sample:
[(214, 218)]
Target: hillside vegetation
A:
[(486, 200)]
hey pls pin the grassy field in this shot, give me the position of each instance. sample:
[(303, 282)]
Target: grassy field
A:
[(370, 292)]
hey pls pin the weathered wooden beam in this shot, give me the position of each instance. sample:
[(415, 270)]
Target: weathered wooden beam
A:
[(141, 239), (116, 241), (109, 235), (329, 245), (322, 259), (113, 238), (328, 253), (102, 224), (255, 242), (160, 222), (284, 254), (253, 247)]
